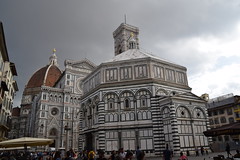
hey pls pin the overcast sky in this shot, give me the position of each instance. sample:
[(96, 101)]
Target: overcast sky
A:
[(202, 35)]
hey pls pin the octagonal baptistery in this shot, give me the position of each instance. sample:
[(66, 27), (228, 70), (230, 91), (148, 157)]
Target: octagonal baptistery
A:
[(137, 99)]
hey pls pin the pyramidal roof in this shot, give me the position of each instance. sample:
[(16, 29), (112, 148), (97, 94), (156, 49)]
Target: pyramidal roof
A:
[(132, 54)]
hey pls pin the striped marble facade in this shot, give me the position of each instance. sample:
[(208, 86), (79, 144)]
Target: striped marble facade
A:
[(137, 99), (164, 120)]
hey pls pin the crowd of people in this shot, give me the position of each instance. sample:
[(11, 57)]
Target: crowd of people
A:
[(120, 154), (71, 155), (115, 155), (168, 154)]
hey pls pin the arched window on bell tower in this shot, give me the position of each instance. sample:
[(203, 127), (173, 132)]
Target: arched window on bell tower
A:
[(132, 42), (132, 45)]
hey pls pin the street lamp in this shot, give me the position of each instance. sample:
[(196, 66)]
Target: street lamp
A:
[(42, 135), (66, 128)]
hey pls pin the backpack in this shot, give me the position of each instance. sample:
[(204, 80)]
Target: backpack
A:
[(91, 155)]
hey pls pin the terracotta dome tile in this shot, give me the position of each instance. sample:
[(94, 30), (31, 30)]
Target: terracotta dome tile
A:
[(37, 80)]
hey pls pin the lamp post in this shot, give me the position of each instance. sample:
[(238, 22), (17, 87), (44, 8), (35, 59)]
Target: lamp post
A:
[(42, 134), (66, 128)]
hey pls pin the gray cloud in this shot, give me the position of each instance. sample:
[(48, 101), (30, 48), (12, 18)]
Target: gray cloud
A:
[(79, 29), (223, 61)]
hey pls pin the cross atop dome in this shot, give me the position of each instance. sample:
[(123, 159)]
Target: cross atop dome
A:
[(125, 38)]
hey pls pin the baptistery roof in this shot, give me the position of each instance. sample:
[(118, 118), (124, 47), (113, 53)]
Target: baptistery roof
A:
[(133, 54)]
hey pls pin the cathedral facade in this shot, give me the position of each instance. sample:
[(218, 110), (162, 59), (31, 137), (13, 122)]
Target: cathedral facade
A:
[(137, 99), (50, 103)]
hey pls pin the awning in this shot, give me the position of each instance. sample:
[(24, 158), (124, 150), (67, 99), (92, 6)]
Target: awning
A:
[(25, 141), (13, 148), (229, 129)]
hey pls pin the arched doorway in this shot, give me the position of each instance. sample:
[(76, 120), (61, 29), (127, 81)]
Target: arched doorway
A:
[(53, 135), (89, 141)]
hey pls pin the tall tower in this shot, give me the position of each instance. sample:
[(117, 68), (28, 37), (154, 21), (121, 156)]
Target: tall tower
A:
[(125, 37)]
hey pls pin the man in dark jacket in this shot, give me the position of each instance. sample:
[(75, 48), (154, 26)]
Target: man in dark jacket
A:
[(167, 154), (68, 157)]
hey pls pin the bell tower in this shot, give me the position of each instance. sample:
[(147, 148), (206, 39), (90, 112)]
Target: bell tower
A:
[(125, 38)]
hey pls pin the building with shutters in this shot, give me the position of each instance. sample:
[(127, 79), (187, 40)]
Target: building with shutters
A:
[(8, 87), (224, 111)]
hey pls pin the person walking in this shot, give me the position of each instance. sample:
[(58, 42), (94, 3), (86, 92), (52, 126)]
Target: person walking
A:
[(101, 155), (182, 156), (196, 151), (202, 150), (122, 154), (91, 155), (228, 149), (138, 153), (113, 155), (68, 156), (167, 154), (57, 156), (129, 155)]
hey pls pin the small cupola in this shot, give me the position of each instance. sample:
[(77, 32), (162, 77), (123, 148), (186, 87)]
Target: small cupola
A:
[(53, 58)]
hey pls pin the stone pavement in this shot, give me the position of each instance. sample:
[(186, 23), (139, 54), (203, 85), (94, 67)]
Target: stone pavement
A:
[(193, 157)]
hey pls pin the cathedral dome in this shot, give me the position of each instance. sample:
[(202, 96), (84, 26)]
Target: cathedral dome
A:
[(46, 76)]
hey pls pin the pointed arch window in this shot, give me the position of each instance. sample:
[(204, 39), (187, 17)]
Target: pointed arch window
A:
[(106, 118), (67, 99), (127, 103), (132, 116), (127, 116), (143, 101), (111, 104), (111, 118), (149, 115), (115, 117), (123, 117), (144, 115), (139, 115), (42, 113), (44, 96)]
